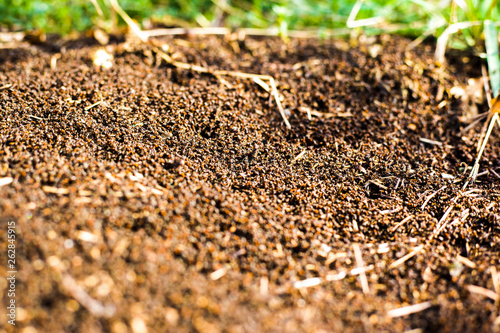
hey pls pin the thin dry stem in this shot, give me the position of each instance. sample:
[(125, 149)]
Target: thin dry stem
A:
[(144, 37), (362, 272), (430, 197), (407, 257), (494, 277), (483, 291), (410, 309), (492, 119), (405, 220)]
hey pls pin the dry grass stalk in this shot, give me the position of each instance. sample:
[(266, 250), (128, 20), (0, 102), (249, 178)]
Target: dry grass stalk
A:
[(410, 309), (362, 272), (144, 37), (81, 296), (495, 278), (431, 196), (493, 117), (483, 291), (406, 219), (407, 257)]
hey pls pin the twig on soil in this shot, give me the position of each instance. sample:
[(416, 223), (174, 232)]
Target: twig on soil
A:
[(466, 262), (406, 219), (53, 61), (494, 277), (443, 223), (336, 277), (55, 190), (431, 142), (91, 106), (158, 49), (299, 156), (325, 115), (391, 211), (218, 274), (410, 309), (447, 212), (401, 260), (261, 83), (397, 184), (430, 197), (307, 283), (35, 117), (477, 120), (307, 110), (93, 306), (483, 291), (6, 86), (264, 286), (493, 118), (495, 173), (6, 181), (361, 264)]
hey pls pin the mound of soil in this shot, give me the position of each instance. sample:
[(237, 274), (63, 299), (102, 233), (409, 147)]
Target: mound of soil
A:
[(149, 198)]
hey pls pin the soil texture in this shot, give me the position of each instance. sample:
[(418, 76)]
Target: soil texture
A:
[(149, 198)]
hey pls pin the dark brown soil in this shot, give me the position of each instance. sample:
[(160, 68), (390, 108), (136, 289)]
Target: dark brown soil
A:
[(183, 204)]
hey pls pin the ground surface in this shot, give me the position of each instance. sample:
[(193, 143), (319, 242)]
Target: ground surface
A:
[(181, 203)]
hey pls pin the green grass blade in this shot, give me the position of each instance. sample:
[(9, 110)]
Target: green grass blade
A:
[(491, 41)]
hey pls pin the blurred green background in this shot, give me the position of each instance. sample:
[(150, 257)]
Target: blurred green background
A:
[(414, 17)]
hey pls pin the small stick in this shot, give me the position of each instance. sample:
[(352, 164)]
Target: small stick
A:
[(276, 97), (91, 106), (478, 118), (482, 291), (362, 272), (218, 274), (390, 211), (431, 142), (494, 277), (430, 197), (442, 221), (495, 173), (81, 296), (401, 260), (261, 83), (407, 310), (406, 219), (6, 86), (6, 181), (467, 262), (299, 156), (336, 277), (307, 283), (307, 110), (35, 117), (264, 286)]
